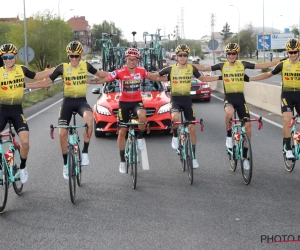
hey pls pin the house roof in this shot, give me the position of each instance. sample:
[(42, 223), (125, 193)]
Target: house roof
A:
[(10, 19), (78, 23)]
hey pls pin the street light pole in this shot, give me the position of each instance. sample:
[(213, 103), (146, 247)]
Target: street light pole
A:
[(238, 27), (25, 36)]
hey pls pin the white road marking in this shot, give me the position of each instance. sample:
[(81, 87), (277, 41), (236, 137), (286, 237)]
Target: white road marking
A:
[(254, 114), (144, 157)]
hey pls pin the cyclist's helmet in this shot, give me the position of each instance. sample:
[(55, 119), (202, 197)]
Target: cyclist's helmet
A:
[(8, 48), (74, 47), (232, 47), (182, 48), (292, 44), (133, 52)]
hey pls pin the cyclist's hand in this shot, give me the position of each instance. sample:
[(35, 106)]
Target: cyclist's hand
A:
[(246, 78)]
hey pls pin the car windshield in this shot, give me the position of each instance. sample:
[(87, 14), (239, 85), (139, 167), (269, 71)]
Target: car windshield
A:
[(146, 85)]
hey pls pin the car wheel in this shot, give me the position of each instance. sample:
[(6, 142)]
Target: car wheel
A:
[(98, 134)]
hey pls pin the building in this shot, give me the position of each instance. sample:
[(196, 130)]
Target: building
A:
[(82, 32), (10, 19)]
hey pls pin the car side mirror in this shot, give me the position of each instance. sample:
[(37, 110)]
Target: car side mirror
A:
[(96, 91)]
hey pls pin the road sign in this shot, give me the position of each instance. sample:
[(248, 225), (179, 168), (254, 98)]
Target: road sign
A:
[(273, 41), (30, 54), (213, 44)]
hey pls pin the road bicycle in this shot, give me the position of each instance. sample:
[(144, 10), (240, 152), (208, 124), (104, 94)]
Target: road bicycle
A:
[(9, 166), (74, 155), (107, 52), (295, 136), (185, 150), (131, 147), (242, 149)]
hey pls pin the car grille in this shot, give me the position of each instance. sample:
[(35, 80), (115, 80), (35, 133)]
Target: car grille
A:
[(149, 111), (195, 88)]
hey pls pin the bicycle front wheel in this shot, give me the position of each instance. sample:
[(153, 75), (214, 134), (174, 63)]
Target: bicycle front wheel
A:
[(78, 168), (133, 163), (246, 155), (72, 175), (232, 159), (18, 186), (3, 186), (189, 158), (290, 163)]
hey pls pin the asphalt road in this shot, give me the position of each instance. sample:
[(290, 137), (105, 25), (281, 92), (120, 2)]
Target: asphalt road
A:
[(165, 212)]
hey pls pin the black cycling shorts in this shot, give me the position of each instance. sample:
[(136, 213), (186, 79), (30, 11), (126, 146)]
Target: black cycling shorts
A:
[(185, 103), (238, 102), (289, 100), (15, 114), (126, 107), (70, 105)]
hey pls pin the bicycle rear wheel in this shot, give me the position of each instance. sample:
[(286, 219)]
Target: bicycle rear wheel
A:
[(290, 164), (3, 186), (18, 186), (133, 163), (72, 175), (246, 173), (189, 158)]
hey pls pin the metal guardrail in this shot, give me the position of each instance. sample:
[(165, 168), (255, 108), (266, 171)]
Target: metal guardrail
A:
[(28, 90)]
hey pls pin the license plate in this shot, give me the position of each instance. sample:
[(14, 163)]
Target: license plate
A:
[(193, 92), (204, 91)]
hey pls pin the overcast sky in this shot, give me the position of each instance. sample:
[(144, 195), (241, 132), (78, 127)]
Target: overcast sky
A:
[(140, 16)]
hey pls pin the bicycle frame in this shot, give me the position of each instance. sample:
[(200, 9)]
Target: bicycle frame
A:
[(13, 145)]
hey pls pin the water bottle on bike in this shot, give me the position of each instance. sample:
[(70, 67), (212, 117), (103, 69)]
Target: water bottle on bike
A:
[(9, 157)]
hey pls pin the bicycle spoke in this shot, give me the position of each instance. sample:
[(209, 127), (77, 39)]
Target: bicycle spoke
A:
[(246, 155)]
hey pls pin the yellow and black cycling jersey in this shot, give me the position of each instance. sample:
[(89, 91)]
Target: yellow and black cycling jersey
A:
[(75, 78), (290, 75), (180, 79), (12, 84), (233, 76)]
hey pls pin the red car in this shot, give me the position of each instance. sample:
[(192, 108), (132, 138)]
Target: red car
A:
[(199, 90), (165, 63), (155, 99)]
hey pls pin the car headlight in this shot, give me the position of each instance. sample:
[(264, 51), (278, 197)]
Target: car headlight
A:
[(164, 108), (102, 110), (206, 85)]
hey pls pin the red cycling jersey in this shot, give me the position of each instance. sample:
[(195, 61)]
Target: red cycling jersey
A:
[(130, 84)]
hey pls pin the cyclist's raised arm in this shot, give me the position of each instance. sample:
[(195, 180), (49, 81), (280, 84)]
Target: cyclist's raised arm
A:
[(49, 79), (201, 67), (97, 80), (267, 75), (154, 76), (197, 74), (266, 65), (98, 73)]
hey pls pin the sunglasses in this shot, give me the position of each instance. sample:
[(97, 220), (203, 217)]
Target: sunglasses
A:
[(182, 55), (231, 53), (8, 57), (293, 52), (74, 56)]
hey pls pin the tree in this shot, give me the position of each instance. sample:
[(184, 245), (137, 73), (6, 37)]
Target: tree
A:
[(295, 30), (47, 35), (226, 33), (5, 28)]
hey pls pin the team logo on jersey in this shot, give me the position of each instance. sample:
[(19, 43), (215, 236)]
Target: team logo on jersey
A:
[(69, 70), (68, 84), (113, 74), (137, 76), (227, 68), (176, 71), (5, 74), (288, 67), (4, 88)]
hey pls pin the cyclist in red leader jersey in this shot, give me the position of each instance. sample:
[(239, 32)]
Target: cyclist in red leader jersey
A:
[(130, 77)]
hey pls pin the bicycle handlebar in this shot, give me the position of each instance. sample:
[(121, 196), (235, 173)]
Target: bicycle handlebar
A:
[(185, 123), (259, 120), (68, 128), (294, 119), (134, 123)]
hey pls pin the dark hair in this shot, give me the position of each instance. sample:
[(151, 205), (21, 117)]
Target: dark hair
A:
[(48, 66)]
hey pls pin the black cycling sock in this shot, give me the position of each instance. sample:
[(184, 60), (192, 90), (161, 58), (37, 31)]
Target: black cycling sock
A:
[(122, 154), (23, 163), (65, 157), (85, 147), (175, 132), (194, 151), (245, 151), (287, 143), (229, 133), (141, 134)]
